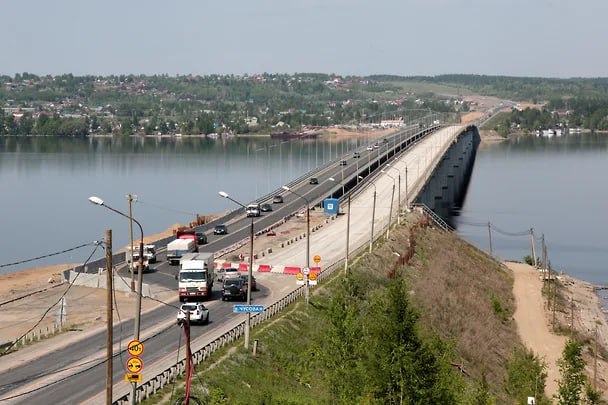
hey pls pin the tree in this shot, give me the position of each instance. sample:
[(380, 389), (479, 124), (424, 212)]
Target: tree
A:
[(526, 375), (571, 366)]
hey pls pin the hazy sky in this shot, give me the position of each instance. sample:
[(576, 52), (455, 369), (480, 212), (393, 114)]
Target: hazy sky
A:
[(549, 38)]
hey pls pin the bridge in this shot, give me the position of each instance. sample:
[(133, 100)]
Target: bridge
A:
[(428, 166)]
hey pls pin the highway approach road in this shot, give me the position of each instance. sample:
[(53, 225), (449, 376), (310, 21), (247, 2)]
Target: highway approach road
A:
[(75, 372)]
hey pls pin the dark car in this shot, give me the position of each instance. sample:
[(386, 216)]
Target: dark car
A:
[(313, 180), (254, 285), (201, 238), (342, 162), (265, 207), (220, 230), (356, 155), (277, 199), (234, 288)]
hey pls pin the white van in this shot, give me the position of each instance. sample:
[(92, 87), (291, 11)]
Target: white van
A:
[(253, 210)]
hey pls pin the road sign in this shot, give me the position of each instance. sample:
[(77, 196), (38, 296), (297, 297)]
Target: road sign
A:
[(135, 348), (300, 279), (305, 271), (129, 377), (312, 279), (135, 365), (247, 308), (317, 259)]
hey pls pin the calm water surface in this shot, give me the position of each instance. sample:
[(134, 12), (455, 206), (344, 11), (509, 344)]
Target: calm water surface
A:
[(46, 183), (556, 186)]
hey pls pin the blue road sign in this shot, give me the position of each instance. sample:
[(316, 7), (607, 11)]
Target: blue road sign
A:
[(248, 308)]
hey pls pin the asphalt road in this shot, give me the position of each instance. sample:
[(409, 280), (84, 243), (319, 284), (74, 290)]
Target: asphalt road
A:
[(55, 376)]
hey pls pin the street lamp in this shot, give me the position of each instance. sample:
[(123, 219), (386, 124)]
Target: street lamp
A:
[(398, 192), (371, 235), (99, 201), (388, 228), (347, 225), (250, 269), (306, 292)]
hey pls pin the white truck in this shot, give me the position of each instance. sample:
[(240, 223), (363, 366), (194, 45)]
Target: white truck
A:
[(179, 247), (196, 276), (149, 253)]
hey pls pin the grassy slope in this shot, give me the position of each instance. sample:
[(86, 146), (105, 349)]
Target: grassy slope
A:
[(454, 286)]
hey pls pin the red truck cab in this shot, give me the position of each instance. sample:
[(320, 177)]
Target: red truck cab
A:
[(188, 234)]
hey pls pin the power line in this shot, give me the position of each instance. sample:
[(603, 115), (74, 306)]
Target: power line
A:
[(50, 254), (52, 306)]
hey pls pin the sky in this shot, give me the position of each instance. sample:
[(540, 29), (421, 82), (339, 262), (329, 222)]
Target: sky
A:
[(544, 38)]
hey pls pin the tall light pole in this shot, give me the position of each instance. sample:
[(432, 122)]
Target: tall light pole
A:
[(388, 228), (99, 201), (306, 292), (250, 269), (347, 226), (132, 198), (371, 235), (398, 193)]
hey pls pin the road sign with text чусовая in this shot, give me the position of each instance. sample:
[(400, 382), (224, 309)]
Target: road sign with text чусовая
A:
[(317, 259), (247, 308), (135, 365), (135, 348)]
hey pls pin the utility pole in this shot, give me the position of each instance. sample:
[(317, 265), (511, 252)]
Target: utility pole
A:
[(131, 198), (109, 317), (595, 360), (571, 317), (490, 237), (533, 248), (544, 259)]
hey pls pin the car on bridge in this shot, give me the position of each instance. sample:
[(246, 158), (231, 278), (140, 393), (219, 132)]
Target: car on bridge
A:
[(220, 230), (369, 147), (265, 207), (356, 155), (234, 288), (278, 199), (201, 238), (313, 180), (342, 162), (198, 313)]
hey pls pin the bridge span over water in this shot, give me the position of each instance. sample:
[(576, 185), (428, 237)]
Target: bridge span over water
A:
[(416, 165)]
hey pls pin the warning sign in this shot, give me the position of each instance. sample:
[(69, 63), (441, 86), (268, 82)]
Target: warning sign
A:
[(317, 259), (135, 348), (300, 279), (312, 278), (135, 365)]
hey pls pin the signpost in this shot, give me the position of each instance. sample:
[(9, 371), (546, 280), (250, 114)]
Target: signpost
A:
[(247, 308), (317, 259)]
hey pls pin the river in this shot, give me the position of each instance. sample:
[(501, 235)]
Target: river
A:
[(552, 185), (46, 182)]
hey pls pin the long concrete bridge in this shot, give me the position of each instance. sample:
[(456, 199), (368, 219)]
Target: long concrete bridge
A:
[(429, 165)]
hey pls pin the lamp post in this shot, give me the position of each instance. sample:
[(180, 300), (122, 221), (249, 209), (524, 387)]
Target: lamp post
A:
[(249, 271), (131, 198), (306, 292), (347, 226), (388, 228), (371, 235), (99, 201), (398, 193)]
